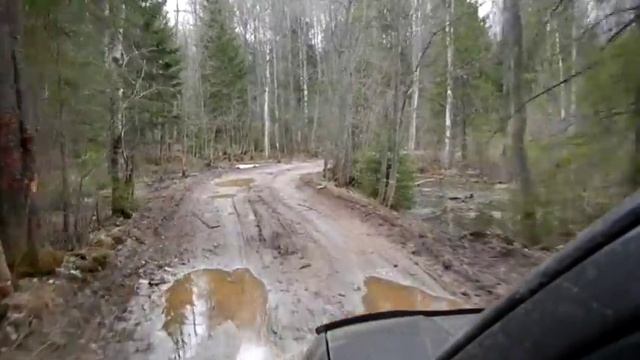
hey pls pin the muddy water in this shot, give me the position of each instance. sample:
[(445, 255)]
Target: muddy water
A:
[(463, 206), (384, 295), (243, 182), (229, 305)]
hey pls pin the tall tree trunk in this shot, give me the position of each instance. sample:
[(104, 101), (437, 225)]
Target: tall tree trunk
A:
[(347, 146), (119, 200), (161, 150), (276, 98), (6, 282), (512, 34), (297, 139), (266, 115), (314, 126), (573, 102), (562, 100), (303, 74), (185, 149), (64, 169), (416, 26), (18, 182), (398, 109), (449, 111), (66, 193), (316, 115), (461, 154), (384, 171)]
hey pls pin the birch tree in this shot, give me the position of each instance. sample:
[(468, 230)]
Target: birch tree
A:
[(115, 62), (266, 114), (449, 112), (416, 28)]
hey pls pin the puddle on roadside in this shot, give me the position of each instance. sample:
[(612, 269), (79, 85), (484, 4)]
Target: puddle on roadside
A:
[(203, 304), (242, 182), (384, 295), (460, 207)]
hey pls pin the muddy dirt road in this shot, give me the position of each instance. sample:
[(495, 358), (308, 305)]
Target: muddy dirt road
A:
[(263, 259)]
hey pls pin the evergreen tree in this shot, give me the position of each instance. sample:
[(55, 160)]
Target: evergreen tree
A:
[(224, 64), (154, 75)]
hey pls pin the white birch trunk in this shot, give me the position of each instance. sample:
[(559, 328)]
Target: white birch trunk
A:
[(561, 70), (305, 78), (417, 41), (448, 149), (267, 120), (316, 115), (276, 107), (574, 63)]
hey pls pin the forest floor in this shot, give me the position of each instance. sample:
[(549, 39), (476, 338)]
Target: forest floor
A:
[(246, 263)]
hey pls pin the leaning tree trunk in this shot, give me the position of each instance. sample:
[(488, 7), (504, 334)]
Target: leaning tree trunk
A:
[(17, 158), (512, 35)]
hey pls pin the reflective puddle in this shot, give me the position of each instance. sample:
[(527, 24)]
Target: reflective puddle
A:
[(384, 295), (243, 182), (210, 307)]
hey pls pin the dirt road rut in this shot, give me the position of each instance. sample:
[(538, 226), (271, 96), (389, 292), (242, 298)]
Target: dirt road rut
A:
[(264, 260)]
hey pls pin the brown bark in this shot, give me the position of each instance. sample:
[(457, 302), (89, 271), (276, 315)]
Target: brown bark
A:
[(184, 150), (66, 194), (120, 199), (384, 172), (6, 285), (163, 141), (17, 160), (118, 189), (398, 110), (66, 201), (512, 34)]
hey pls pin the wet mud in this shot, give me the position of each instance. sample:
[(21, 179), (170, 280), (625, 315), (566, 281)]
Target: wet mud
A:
[(385, 295), (242, 182), (309, 256), (201, 303)]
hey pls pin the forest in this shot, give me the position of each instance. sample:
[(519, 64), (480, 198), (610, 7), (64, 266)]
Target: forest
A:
[(96, 97)]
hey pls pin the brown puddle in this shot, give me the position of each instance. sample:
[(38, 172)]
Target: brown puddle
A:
[(199, 302), (244, 182), (384, 295)]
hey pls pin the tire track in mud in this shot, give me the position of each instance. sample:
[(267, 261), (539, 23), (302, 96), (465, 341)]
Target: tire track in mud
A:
[(274, 230), (312, 255)]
